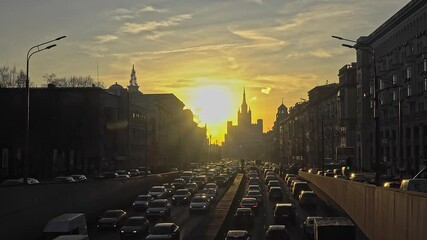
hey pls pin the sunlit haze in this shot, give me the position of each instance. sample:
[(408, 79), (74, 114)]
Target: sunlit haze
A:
[(203, 51)]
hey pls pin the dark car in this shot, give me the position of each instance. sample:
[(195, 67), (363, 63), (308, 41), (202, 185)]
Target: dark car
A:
[(178, 183), (170, 189), (251, 203), (158, 192), (244, 218), (307, 199), (141, 202), (220, 180), (158, 208), (106, 175), (181, 196), (134, 172), (275, 193), (79, 177), (111, 219), (64, 179), (192, 187), (277, 232), (143, 171), (284, 213), (200, 203), (135, 228), (164, 231)]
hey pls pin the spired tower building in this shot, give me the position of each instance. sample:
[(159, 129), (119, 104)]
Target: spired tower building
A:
[(244, 140)]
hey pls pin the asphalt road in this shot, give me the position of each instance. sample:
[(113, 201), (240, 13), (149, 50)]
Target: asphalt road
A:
[(189, 225), (265, 216)]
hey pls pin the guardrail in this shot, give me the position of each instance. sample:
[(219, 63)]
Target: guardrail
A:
[(381, 213)]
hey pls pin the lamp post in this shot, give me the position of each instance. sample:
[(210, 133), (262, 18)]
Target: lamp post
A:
[(377, 141), (38, 48)]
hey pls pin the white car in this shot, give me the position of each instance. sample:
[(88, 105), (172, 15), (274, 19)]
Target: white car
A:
[(200, 204)]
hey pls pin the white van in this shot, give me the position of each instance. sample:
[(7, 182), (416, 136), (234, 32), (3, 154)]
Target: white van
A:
[(72, 237), (66, 224), (418, 185)]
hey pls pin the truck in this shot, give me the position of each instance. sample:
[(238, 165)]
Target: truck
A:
[(334, 228)]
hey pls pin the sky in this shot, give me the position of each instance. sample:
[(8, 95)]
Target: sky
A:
[(203, 51)]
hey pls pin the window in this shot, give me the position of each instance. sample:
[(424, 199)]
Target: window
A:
[(425, 84), (394, 79), (409, 89), (425, 65), (395, 96), (408, 72), (382, 84)]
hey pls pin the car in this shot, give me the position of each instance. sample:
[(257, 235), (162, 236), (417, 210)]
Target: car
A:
[(220, 180), (141, 202), (298, 187), (273, 183), (123, 172), (134, 172), (338, 171), (164, 231), (111, 219), (275, 193), (244, 218), (211, 185), (106, 175), (328, 174), (289, 181), (308, 226), (254, 181), (170, 189), (237, 235), (343, 177), (277, 232), (192, 187), (135, 228), (79, 177), (179, 183), (312, 171), (211, 193), (181, 196), (200, 180), (320, 173), (123, 176), (288, 176), (254, 194), (293, 183), (143, 171), (393, 184), (158, 192), (158, 208), (358, 177), (254, 187), (251, 203), (307, 199), (200, 204), (64, 179), (187, 176), (284, 213), (270, 178)]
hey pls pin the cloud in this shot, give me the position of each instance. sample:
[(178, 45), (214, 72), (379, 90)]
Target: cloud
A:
[(256, 1), (253, 99), (232, 62), (106, 38), (320, 53), (257, 39), (152, 9), (156, 35), (266, 90), (135, 28)]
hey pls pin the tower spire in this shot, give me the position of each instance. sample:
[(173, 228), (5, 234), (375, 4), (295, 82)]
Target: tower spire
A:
[(244, 104), (133, 85)]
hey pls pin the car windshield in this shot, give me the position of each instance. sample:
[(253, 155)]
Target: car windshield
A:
[(253, 193), (283, 210), (156, 189), (276, 234), (244, 213), (111, 215), (135, 222), (199, 200), (248, 201), (156, 204), (143, 198), (160, 230), (181, 192)]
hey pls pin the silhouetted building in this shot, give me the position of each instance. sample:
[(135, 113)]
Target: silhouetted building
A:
[(278, 150), (245, 140)]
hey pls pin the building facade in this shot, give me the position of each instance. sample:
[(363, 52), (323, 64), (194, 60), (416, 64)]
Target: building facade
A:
[(244, 140), (399, 48)]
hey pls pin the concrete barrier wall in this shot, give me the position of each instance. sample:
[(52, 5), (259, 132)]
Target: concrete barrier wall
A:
[(25, 210), (381, 213)]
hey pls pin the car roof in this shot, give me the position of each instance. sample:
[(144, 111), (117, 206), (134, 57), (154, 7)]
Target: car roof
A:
[(284, 205), (243, 210), (277, 227), (159, 200), (237, 233), (164, 224), (248, 199)]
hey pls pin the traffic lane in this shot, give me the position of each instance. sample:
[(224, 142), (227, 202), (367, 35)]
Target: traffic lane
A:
[(179, 215)]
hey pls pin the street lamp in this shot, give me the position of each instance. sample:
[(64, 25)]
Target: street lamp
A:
[(38, 48), (377, 141)]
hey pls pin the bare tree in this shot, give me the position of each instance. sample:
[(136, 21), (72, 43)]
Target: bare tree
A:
[(11, 78), (73, 81)]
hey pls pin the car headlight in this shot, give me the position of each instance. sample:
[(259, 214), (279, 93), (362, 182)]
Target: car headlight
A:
[(148, 211), (204, 206), (162, 211), (114, 225), (134, 231), (133, 204), (122, 231), (173, 198), (185, 198)]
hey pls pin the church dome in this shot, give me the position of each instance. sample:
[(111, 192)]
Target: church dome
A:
[(115, 88)]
